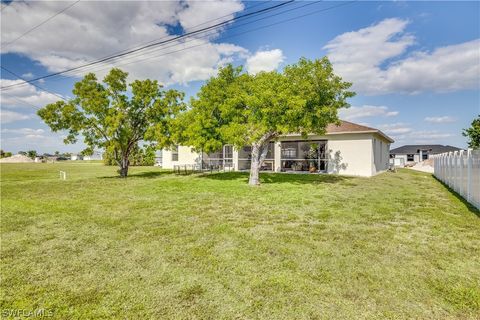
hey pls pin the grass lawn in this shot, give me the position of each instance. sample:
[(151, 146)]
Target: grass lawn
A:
[(162, 246)]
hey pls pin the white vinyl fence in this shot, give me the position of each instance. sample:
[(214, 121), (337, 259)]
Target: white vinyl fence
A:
[(460, 170)]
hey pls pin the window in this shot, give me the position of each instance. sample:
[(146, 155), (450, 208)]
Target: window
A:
[(175, 153), (304, 156), (381, 151), (228, 152), (410, 157), (424, 154), (245, 156)]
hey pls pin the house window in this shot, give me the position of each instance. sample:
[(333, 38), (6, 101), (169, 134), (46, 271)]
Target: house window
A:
[(228, 152), (307, 156), (381, 151), (245, 156), (424, 154), (175, 154), (410, 157)]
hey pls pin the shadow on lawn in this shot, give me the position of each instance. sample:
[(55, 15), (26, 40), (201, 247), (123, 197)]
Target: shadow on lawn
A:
[(145, 174), (467, 204), (267, 178)]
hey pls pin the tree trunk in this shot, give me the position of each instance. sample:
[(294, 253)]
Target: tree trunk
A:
[(259, 153), (124, 163), (254, 179)]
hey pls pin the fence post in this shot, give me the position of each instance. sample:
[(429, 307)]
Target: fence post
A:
[(455, 171), (469, 175), (460, 166)]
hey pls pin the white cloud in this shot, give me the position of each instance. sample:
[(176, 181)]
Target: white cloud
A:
[(93, 29), (366, 111), (28, 75), (395, 128), (8, 116), (264, 61), (372, 59), (24, 96), (196, 13), (403, 133), (443, 119), (24, 131)]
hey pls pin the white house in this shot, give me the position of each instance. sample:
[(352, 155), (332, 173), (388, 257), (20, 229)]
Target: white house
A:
[(348, 149), (419, 152)]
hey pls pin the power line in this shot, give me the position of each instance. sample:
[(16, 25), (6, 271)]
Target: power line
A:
[(198, 25), (43, 89), (205, 35), (156, 43), (25, 102), (166, 37), (241, 33), (40, 24), (238, 34), (195, 38)]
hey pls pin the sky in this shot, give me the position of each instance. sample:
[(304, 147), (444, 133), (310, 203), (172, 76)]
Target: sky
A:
[(415, 66)]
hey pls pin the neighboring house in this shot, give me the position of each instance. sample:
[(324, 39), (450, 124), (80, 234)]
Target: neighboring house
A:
[(348, 148), (418, 153), (97, 155)]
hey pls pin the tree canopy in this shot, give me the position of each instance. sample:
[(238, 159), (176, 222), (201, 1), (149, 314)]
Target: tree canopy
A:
[(250, 110), (110, 117), (473, 134)]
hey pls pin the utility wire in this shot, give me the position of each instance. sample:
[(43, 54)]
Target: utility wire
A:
[(241, 33), (40, 24), (238, 34), (204, 36), (43, 89), (162, 48), (25, 102), (155, 43), (196, 26)]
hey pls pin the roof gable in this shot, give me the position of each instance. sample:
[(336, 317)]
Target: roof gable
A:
[(350, 127)]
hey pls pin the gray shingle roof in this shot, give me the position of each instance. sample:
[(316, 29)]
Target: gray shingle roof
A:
[(432, 149)]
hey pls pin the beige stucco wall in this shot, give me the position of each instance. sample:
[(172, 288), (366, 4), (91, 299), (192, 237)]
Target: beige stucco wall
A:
[(185, 156), (381, 154), (349, 154)]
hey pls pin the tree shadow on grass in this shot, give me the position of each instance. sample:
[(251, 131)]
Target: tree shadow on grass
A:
[(145, 174), (467, 204), (276, 178)]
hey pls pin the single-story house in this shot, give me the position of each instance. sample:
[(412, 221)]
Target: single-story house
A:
[(419, 152), (347, 148)]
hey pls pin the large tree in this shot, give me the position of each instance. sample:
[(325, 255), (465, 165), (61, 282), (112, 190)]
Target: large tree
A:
[(251, 110), (112, 118), (473, 134)]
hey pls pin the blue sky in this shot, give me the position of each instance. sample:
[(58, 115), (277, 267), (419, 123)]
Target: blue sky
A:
[(415, 65)]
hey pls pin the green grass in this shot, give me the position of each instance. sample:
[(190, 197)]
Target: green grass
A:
[(162, 246)]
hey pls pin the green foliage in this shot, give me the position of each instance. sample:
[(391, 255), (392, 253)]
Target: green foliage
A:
[(110, 118), (241, 109), (244, 109), (473, 134), (4, 154), (138, 157), (32, 154)]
